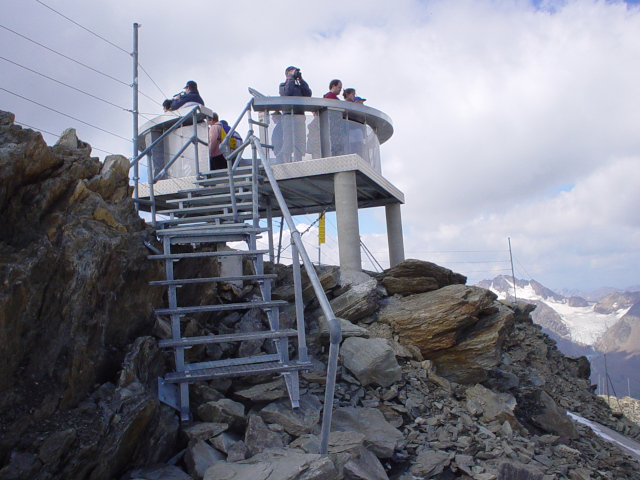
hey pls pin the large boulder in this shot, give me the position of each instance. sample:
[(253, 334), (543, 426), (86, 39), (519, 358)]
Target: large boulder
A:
[(295, 422), (372, 361), (281, 464), (417, 276), (380, 437), (460, 328), (359, 301)]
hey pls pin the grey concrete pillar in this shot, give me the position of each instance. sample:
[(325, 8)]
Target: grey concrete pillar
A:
[(347, 217), (394, 233)]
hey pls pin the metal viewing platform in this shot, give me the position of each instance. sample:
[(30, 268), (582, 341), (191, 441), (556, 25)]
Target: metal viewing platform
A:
[(324, 154)]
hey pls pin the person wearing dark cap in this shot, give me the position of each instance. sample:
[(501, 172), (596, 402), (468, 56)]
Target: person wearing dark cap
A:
[(293, 121), (190, 97), (359, 100)]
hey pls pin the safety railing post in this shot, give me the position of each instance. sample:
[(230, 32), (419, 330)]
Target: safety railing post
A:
[(335, 332), (196, 144), (297, 287)]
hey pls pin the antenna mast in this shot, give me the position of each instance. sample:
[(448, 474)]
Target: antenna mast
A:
[(513, 275), (134, 111)]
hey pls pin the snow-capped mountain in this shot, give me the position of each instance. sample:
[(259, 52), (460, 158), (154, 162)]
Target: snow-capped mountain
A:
[(571, 318)]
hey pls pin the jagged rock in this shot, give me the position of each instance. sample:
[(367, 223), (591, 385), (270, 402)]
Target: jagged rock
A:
[(491, 406), (56, 445), (199, 457), (258, 437), (348, 329), (264, 392), (429, 463), (372, 361), (364, 465), (419, 269), (512, 470), (545, 414), (281, 464), (204, 430), (225, 441), (157, 472), (237, 452), (295, 422), (407, 286), (460, 328), (203, 393), (77, 289), (358, 302), (223, 411), (380, 437), (21, 466)]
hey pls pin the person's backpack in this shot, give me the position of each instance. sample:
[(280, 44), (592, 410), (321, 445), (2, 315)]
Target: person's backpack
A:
[(235, 141)]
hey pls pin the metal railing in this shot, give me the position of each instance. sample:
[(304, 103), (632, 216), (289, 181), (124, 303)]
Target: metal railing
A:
[(298, 252), (152, 179)]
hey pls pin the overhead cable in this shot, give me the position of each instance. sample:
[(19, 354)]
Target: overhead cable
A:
[(84, 28), (64, 114), (66, 85), (65, 56)]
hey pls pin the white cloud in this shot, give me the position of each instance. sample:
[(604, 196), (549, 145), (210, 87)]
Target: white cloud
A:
[(510, 121)]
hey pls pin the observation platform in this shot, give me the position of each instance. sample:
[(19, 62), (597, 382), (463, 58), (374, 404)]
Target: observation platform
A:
[(324, 153)]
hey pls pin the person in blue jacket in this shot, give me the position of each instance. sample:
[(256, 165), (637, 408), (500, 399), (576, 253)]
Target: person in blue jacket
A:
[(190, 97), (294, 141)]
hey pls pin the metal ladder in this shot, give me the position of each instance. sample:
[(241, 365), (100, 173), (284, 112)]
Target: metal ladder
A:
[(216, 210), (210, 214)]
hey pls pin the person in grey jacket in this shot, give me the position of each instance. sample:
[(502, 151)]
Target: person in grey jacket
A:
[(294, 121)]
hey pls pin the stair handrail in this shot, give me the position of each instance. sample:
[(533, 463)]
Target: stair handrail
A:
[(335, 331), (151, 179)]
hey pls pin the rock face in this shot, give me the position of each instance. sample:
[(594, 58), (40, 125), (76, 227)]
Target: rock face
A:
[(459, 328)]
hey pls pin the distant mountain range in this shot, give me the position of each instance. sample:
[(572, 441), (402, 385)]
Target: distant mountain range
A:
[(603, 325)]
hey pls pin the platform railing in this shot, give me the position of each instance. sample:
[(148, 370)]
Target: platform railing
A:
[(152, 179), (260, 159)]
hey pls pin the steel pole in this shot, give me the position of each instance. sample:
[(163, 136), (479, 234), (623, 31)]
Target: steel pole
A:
[(134, 111)]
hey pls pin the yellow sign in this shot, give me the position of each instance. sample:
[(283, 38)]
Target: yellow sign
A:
[(321, 229)]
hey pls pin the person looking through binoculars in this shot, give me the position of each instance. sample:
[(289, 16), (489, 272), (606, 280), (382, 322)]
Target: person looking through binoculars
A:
[(294, 139)]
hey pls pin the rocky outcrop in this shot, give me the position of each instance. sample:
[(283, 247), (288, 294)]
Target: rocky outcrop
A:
[(417, 276), (460, 328)]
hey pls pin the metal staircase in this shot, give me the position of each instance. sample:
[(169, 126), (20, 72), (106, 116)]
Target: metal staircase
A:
[(206, 215), (224, 206)]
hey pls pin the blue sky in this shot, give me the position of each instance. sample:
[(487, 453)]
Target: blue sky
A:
[(510, 121)]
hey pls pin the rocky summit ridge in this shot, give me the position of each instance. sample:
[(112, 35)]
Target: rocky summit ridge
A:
[(437, 379)]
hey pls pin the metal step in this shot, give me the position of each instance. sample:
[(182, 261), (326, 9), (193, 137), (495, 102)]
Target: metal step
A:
[(246, 206), (187, 281), (210, 198), (202, 218), (237, 371), (245, 187), (219, 180), (222, 229), (208, 233), (220, 307), (233, 361), (221, 253), (227, 338)]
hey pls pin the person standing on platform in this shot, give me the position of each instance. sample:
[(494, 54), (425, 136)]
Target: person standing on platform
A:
[(190, 97), (335, 87), (349, 94), (217, 161), (294, 120)]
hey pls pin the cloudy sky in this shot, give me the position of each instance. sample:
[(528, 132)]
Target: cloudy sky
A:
[(513, 118)]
